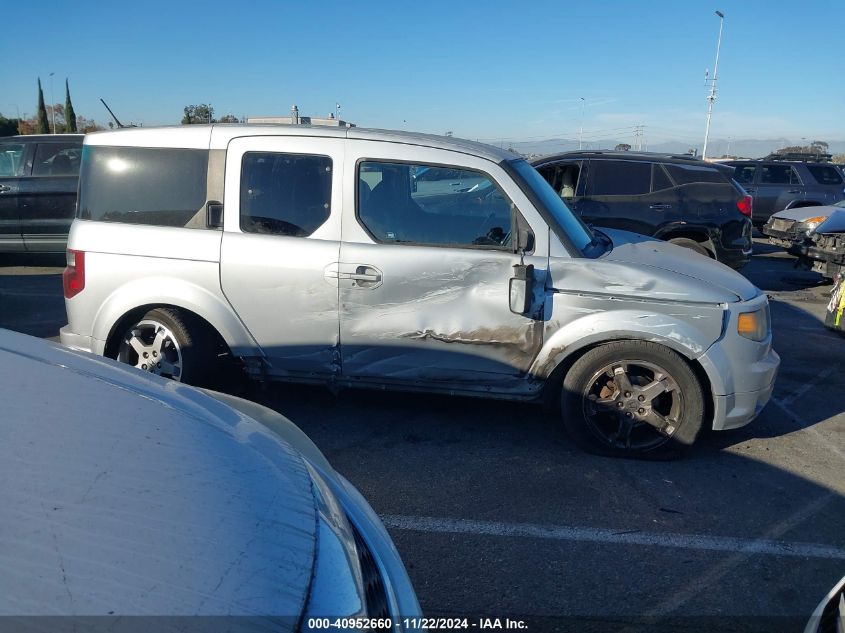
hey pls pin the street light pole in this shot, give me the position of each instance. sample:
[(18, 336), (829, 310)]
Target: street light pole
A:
[(53, 105), (712, 96), (581, 129)]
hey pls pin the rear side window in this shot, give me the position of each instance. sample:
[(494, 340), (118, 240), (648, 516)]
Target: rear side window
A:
[(778, 175), (285, 194), (659, 179), (618, 178), (693, 174), (744, 174), (137, 185), (10, 159), (434, 205), (825, 174), (57, 159)]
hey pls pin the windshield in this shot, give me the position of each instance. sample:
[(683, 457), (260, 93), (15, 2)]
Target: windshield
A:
[(578, 233)]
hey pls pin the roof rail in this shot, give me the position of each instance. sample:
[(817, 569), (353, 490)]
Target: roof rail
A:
[(803, 157)]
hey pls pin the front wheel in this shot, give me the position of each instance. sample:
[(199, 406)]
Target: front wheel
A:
[(632, 399), (170, 344)]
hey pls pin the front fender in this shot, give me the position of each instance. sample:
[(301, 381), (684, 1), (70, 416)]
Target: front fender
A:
[(580, 322), (171, 291)]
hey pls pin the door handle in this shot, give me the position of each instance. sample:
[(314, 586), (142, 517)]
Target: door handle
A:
[(794, 191), (660, 206), (5, 188), (750, 190), (361, 277)]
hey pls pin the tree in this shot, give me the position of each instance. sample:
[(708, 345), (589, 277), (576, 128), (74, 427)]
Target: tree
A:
[(228, 118), (8, 127), (70, 115), (622, 147), (202, 113), (816, 147), (43, 124), (839, 159)]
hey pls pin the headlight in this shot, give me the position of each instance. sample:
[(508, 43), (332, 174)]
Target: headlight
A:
[(337, 587), (810, 224), (754, 325)]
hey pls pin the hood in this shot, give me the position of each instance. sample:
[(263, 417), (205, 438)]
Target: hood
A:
[(652, 268), (835, 222), (803, 213), (125, 493)]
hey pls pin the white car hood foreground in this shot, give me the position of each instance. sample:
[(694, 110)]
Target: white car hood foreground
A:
[(124, 494), (660, 270)]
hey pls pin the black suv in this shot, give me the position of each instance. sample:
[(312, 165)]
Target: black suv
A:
[(781, 182), (680, 199), (39, 175)]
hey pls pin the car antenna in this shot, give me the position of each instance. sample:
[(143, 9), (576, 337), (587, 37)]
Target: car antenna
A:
[(119, 124)]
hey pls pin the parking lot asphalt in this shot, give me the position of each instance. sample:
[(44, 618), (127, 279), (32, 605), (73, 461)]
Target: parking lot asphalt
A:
[(497, 514)]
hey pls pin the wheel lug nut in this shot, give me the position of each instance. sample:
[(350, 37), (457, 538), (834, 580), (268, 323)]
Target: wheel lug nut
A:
[(146, 355), (620, 405), (640, 411), (155, 353), (143, 366), (627, 394), (640, 398), (629, 414)]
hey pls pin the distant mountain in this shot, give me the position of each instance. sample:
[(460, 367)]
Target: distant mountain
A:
[(744, 148)]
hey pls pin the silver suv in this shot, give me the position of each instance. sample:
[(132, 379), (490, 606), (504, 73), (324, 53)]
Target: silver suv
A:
[(402, 261)]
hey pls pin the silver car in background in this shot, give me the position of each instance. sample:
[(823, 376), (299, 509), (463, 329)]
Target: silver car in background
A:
[(387, 260), (125, 494)]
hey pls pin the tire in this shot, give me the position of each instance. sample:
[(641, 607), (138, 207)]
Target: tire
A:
[(691, 244), (604, 414), (177, 346)]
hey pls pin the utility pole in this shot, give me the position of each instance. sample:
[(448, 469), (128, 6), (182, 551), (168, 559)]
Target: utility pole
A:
[(53, 104), (712, 96), (581, 129)]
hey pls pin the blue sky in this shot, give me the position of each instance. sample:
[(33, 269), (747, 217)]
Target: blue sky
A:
[(488, 70)]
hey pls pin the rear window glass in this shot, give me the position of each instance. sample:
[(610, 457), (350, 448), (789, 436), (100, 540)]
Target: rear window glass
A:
[(825, 174), (778, 175), (57, 159), (659, 179), (285, 194), (618, 178), (692, 174), (135, 185)]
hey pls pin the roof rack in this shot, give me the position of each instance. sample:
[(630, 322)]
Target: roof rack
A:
[(803, 157)]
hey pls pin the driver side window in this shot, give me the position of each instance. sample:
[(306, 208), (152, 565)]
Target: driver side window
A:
[(433, 205)]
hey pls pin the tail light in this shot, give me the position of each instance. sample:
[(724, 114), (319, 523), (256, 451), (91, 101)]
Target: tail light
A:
[(73, 278), (745, 205)]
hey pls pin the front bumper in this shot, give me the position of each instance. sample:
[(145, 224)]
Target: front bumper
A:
[(741, 372), (781, 238), (738, 409)]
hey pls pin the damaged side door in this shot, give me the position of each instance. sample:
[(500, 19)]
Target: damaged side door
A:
[(280, 244), (428, 253)]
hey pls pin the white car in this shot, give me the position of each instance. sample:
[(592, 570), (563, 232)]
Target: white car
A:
[(125, 494), (786, 227)]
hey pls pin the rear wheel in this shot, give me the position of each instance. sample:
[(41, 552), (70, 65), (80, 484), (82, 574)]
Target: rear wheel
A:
[(170, 344), (632, 399), (691, 244)]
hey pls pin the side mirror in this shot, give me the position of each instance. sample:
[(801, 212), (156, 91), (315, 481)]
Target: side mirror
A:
[(524, 241), (521, 289), (214, 215)]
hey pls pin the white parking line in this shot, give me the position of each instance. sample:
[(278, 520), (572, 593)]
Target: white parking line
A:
[(700, 542), (797, 393)]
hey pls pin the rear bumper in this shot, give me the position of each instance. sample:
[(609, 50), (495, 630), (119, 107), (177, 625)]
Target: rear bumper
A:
[(80, 342)]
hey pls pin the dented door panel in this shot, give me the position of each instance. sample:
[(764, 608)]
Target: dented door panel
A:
[(439, 315)]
